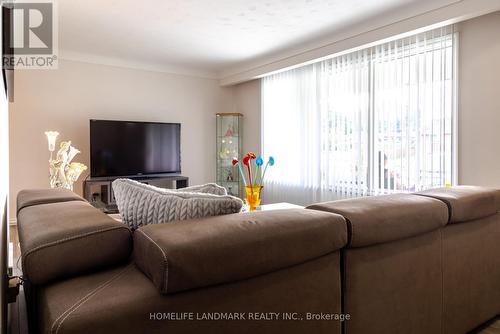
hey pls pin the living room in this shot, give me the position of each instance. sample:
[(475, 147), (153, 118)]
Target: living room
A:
[(337, 147)]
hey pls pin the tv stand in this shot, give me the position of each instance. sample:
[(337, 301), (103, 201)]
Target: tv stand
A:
[(99, 193)]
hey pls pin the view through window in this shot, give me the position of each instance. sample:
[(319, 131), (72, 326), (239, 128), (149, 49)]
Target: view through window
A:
[(378, 120)]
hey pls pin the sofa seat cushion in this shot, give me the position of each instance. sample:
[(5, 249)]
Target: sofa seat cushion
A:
[(378, 219), (31, 197), (467, 203), (222, 249), (64, 239), (141, 204), (123, 300)]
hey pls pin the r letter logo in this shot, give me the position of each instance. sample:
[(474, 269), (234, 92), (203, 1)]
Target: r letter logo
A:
[(31, 35)]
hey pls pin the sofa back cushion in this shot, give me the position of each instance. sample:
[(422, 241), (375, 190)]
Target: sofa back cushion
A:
[(224, 249), (141, 204), (64, 239), (379, 219), (467, 203)]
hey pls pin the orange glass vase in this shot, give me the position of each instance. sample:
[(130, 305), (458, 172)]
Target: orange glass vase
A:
[(252, 197)]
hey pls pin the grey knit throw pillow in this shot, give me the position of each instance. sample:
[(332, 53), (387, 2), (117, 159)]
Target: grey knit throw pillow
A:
[(141, 204)]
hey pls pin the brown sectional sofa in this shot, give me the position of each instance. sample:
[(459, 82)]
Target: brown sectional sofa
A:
[(406, 263)]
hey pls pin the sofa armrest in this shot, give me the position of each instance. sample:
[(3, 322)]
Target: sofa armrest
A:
[(197, 253)]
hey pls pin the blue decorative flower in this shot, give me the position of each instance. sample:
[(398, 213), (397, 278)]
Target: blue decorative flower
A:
[(271, 161), (259, 162)]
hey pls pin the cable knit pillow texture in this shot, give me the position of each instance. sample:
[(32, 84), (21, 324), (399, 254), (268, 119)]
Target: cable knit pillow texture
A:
[(142, 204)]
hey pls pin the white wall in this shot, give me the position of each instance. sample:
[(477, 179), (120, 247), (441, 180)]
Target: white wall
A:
[(479, 106), (246, 99), (65, 100)]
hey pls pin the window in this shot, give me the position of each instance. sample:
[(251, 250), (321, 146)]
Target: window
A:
[(378, 120)]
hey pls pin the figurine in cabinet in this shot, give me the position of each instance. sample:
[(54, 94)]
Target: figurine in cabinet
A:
[(229, 147)]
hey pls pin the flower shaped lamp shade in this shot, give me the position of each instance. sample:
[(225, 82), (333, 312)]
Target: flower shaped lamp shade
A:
[(63, 173), (51, 138)]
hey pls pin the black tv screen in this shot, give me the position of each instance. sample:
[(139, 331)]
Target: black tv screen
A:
[(122, 148)]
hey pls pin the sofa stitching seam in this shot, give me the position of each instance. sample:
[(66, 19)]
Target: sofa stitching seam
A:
[(84, 299), (93, 293), (57, 242), (165, 260), (42, 203)]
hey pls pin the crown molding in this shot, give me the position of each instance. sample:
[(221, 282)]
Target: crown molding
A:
[(371, 32), (135, 65)]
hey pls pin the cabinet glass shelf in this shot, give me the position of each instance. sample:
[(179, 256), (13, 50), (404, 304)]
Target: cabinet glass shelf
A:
[(229, 147)]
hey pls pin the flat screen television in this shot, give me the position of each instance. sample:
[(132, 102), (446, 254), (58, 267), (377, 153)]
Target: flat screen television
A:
[(123, 148)]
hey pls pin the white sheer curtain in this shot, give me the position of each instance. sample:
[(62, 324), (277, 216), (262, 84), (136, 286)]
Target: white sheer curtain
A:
[(378, 120)]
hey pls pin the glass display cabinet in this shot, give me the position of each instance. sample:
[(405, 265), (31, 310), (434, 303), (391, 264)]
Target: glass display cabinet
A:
[(229, 140)]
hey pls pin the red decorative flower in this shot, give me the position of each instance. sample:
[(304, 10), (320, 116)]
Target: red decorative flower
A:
[(235, 162), (245, 160), (251, 155)]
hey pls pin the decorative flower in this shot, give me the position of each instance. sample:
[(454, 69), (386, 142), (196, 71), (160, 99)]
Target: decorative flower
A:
[(270, 162), (259, 162), (62, 172), (236, 162), (254, 176), (246, 162)]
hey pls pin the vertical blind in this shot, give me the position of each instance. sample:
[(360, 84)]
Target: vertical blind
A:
[(378, 120)]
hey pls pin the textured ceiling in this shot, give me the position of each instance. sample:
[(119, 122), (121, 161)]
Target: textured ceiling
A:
[(210, 35)]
